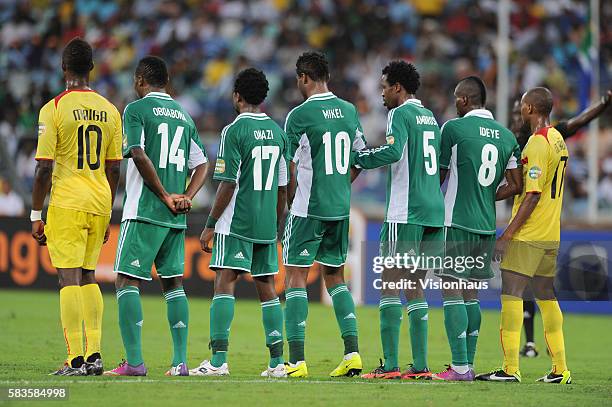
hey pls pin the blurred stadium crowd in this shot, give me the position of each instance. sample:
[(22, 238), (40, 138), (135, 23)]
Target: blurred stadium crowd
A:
[(207, 42)]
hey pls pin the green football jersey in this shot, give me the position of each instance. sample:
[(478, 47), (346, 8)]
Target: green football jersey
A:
[(322, 131), (251, 154), (477, 150), (170, 139), (412, 153)]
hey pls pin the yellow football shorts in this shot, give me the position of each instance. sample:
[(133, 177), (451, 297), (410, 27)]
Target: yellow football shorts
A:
[(74, 238), (529, 260)]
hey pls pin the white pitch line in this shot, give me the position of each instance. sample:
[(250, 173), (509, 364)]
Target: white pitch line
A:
[(220, 381)]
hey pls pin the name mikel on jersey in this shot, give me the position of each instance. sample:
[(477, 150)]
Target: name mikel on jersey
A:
[(426, 120), (89, 115), (173, 113), (333, 113), (490, 133)]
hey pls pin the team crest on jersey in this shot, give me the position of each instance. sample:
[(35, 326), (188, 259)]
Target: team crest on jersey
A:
[(535, 172), (220, 166), (41, 129), (390, 139)]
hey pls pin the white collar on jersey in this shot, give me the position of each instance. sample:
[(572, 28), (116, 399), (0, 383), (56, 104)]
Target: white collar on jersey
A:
[(252, 115), (325, 95), (483, 113), (158, 95), (416, 102)]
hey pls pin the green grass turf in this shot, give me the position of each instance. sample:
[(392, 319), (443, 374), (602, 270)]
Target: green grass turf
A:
[(31, 345)]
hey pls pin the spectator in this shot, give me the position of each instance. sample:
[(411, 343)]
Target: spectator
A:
[(11, 203)]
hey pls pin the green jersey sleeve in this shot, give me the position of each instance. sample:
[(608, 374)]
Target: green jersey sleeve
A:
[(228, 159), (388, 153), (133, 126), (515, 157), (293, 136), (197, 153), (446, 145), (360, 142)]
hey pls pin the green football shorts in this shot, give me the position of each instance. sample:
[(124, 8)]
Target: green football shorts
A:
[(229, 252), (469, 254), (413, 240), (143, 244), (307, 240)]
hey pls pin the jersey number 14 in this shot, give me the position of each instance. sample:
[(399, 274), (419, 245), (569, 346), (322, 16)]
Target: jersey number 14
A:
[(176, 155)]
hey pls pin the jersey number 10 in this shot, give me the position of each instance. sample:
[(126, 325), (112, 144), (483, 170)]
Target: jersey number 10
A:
[(84, 146), (342, 147)]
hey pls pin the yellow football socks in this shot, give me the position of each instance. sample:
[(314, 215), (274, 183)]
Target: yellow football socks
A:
[(71, 311), (553, 332), (510, 331), (93, 307)]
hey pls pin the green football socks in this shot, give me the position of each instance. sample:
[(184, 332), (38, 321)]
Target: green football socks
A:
[(390, 309), (472, 308), (221, 316), (418, 317), (296, 313), (456, 323), (130, 323), (344, 307), (178, 320), (272, 318)]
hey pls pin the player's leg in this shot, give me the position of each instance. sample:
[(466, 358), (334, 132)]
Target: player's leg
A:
[(529, 311), (300, 244), (263, 269), (137, 247), (428, 243), (474, 316), (552, 318), (331, 257), (170, 263), (66, 239), (230, 257), (93, 304)]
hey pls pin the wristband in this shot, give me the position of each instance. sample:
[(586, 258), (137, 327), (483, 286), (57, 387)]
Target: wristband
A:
[(211, 222), (35, 215)]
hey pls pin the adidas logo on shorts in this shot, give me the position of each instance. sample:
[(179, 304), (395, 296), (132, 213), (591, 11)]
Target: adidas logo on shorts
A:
[(462, 335), (303, 323), (304, 253), (274, 333), (350, 316), (139, 323), (239, 255), (411, 252), (135, 263)]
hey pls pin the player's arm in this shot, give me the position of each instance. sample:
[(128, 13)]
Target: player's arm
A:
[(45, 155), (446, 144), (198, 162), (569, 128), (281, 202), (513, 177), (291, 185), (513, 185), (358, 144), (222, 199), (292, 130)]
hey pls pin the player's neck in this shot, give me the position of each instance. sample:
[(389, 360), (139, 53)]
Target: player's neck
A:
[(404, 97), (538, 123), (151, 89), (319, 87), (77, 83), (249, 109)]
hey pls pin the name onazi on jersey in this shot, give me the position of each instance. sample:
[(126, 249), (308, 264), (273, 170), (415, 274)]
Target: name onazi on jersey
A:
[(173, 113), (263, 135)]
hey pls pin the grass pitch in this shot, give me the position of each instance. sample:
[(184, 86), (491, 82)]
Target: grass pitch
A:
[(31, 346)]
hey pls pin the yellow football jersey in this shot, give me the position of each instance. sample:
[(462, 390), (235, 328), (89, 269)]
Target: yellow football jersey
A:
[(544, 161), (80, 130)]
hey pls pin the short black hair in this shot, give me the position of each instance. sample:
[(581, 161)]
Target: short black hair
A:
[(314, 65), (252, 85), (403, 73), (474, 89), (77, 56), (541, 98), (153, 70)]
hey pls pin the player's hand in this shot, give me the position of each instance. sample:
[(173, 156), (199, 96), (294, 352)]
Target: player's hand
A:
[(182, 203), (501, 245), (205, 238), (169, 202), (38, 232), (106, 234)]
